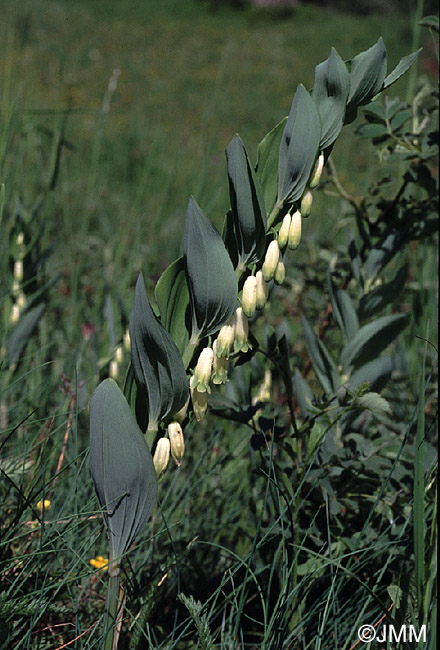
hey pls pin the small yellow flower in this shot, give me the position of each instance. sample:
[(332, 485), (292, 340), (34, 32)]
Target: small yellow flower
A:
[(43, 505), (99, 562)]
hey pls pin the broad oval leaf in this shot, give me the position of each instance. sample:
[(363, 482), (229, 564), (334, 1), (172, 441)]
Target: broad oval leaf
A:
[(157, 364), (367, 74), (247, 203), (299, 146), (322, 363), (121, 467), (267, 164), (172, 296), (210, 274), (371, 340), (330, 92)]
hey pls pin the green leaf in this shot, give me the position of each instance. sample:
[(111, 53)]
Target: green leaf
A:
[(22, 332), (121, 467), (303, 393), (376, 373), (400, 118), (379, 256), (367, 74), (371, 340), (372, 130), (330, 92), (210, 274), (343, 310), (172, 296), (400, 69), (355, 259), (2, 200), (323, 365), (247, 203), (316, 435), (378, 298), (430, 21), (375, 403), (267, 164), (157, 364), (299, 146)]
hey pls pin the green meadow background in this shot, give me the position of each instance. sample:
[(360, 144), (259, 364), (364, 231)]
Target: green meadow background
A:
[(112, 115)]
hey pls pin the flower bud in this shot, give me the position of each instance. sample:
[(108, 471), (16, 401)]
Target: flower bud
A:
[(119, 356), (283, 234), (271, 260), (181, 415), (225, 338), (264, 392), (280, 273), (161, 456), (219, 368), (249, 296), (262, 290), (295, 231), (316, 174), (199, 403), (177, 443), (15, 314), (126, 341), (18, 271), (241, 343), (202, 373), (306, 203), (21, 300), (113, 369)]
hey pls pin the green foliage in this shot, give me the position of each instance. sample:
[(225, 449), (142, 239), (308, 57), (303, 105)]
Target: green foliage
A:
[(156, 362), (210, 274), (121, 468), (295, 514)]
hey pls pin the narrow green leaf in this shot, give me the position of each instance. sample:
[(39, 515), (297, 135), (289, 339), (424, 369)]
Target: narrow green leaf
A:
[(210, 274), (2, 201), (330, 92), (323, 365), (172, 296), (343, 310), (367, 74), (380, 297), (121, 467), (303, 393), (419, 491), (400, 69), (22, 332), (355, 259), (299, 146), (247, 203), (267, 164), (430, 21), (371, 340), (377, 372), (379, 256), (157, 364)]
